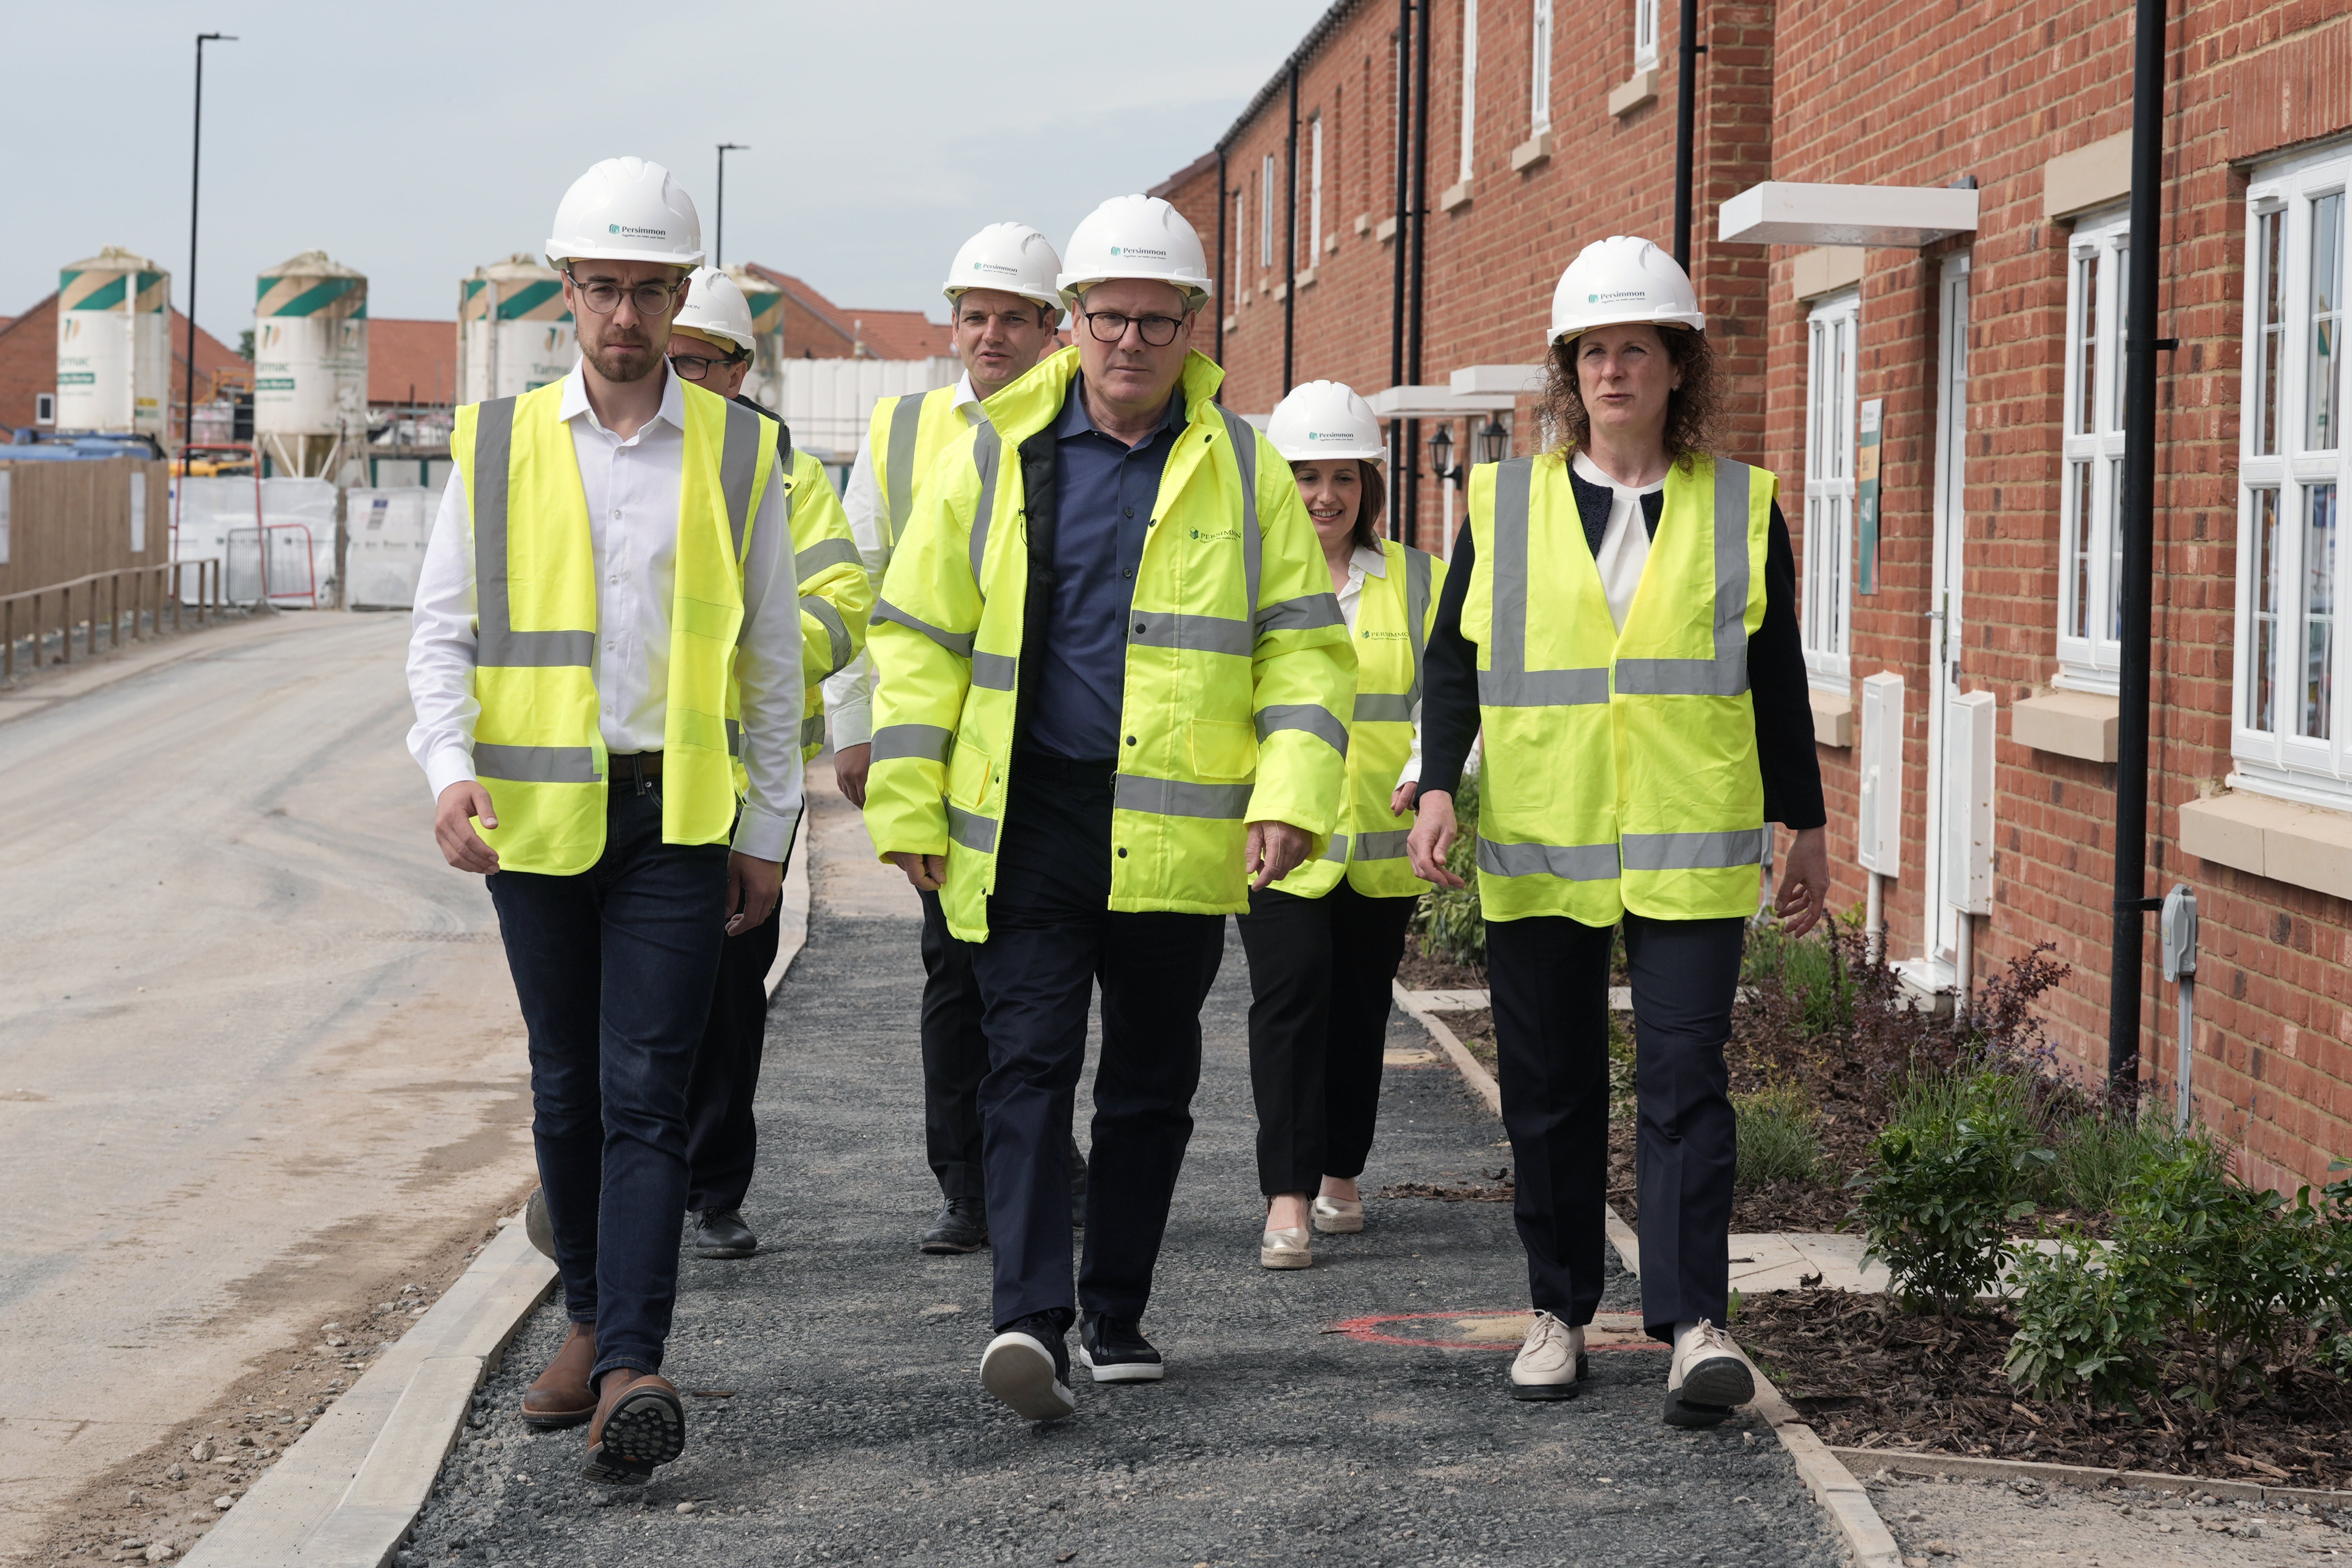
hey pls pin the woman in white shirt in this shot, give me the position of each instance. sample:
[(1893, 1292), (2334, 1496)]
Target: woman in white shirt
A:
[(1324, 942)]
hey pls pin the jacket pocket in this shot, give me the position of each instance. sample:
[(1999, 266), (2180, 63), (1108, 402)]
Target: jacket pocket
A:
[(968, 772), (1222, 749)]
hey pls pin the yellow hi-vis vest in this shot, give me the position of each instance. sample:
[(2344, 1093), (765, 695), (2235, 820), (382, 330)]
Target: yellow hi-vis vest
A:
[(1238, 666), (1621, 770), (903, 439), (1395, 615), (538, 747)]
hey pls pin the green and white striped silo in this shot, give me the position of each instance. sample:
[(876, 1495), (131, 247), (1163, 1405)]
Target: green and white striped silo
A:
[(513, 333), (114, 344), (309, 364)]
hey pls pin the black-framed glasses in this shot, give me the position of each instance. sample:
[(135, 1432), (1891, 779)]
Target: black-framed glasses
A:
[(603, 297), (1109, 326), (694, 367)]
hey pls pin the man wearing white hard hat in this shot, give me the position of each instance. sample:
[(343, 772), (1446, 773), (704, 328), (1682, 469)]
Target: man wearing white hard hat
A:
[(1621, 618), (1324, 942), (1001, 288), (1113, 688), (609, 546), (711, 344)]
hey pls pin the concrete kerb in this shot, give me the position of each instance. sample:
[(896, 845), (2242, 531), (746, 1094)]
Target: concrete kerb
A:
[(346, 1493), (1910, 1462), (1834, 1485)]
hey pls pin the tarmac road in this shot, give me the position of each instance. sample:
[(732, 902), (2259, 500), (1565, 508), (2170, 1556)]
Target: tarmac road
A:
[(839, 1416), (259, 1051)]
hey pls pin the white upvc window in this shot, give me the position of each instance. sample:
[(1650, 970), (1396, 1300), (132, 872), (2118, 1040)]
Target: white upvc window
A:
[(2294, 465), (1539, 54), (2090, 545), (1645, 33), (1265, 212), (1827, 597), (1315, 191), (1241, 247), (1469, 82)]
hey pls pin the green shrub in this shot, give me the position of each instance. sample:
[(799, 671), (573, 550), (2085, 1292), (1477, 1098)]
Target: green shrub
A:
[(1452, 929), (1777, 1140), (2000, 1107), (2098, 1157), (1812, 972), (1949, 1173)]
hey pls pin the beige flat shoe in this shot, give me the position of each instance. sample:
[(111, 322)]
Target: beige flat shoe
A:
[(1339, 1217), (1285, 1250)]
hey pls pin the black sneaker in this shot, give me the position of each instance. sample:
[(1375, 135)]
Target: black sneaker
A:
[(962, 1227), (1115, 1351), (1028, 1367), (721, 1233)]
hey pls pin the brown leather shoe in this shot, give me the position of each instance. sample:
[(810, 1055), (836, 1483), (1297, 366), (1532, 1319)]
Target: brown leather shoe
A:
[(640, 1422), (562, 1396)]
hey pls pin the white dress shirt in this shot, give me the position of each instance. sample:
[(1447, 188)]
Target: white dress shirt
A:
[(632, 488), (849, 692), (1625, 544), (1366, 564)]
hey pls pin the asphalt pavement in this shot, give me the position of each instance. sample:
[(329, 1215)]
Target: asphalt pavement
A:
[(1355, 1413)]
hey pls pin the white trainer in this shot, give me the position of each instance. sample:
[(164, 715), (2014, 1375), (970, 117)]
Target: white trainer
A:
[(1550, 1362), (1339, 1217), (1707, 1378)]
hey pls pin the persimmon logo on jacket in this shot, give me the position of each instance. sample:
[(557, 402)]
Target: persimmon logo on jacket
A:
[(1216, 533)]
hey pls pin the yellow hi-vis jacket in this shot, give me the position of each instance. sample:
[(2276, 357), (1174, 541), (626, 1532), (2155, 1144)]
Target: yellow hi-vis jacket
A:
[(904, 437), (1239, 667), (1621, 769), (1395, 615), (538, 747)]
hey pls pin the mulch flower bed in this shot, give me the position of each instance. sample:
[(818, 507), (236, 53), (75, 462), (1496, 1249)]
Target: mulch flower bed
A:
[(1421, 973), (1867, 1375)]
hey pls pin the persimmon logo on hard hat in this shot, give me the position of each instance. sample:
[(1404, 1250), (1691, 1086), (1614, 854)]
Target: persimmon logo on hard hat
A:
[(1139, 252), (1619, 296), (630, 231)]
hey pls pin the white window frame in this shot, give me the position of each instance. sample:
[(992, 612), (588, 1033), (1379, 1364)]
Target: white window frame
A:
[(1315, 191), (2089, 649), (1540, 56), (1833, 343), (1265, 213), (2275, 580), (1241, 240), (1469, 84), (1645, 33), (45, 408)]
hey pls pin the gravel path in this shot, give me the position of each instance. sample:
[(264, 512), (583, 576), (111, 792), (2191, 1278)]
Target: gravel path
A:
[(853, 1428)]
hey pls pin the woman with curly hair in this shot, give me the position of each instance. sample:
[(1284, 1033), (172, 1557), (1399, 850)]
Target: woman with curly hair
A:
[(1621, 620)]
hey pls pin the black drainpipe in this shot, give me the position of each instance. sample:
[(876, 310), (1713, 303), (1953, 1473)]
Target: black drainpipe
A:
[(1401, 454), (1685, 118), (2138, 520), (1224, 300), (1420, 224), (1290, 232)]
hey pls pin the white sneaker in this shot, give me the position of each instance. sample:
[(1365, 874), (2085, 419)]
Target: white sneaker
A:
[(1550, 1361), (1707, 1378), (1339, 1217)]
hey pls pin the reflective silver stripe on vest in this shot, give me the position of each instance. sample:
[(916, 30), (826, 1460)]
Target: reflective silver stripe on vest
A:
[(813, 730), (1311, 717), (1173, 797), (925, 743), (836, 630), (1384, 846), (1383, 707), (1307, 614), (899, 471), (823, 555), (536, 764), (735, 736), (1243, 435), (1507, 681), (1577, 863), (1337, 849), (739, 466), (1202, 633), (1694, 851), (987, 459), (498, 645), (956, 643), (969, 829), (1725, 675), (1416, 616), (993, 671)]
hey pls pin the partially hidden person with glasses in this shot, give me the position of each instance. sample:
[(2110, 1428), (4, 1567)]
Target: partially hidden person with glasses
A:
[(1112, 692), (711, 345), (609, 587)]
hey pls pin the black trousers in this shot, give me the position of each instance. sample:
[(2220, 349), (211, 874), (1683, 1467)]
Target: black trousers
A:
[(1051, 941), (1320, 977), (721, 1135), (955, 1059), (1550, 979), (613, 969)]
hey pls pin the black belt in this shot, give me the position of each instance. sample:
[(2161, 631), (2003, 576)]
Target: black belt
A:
[(640, 768)]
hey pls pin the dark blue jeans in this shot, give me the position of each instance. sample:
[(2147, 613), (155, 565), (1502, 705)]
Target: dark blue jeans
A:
[(614, 968), (1051, 940), (722, 1138)]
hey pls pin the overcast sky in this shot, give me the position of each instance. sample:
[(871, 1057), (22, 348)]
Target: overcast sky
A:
[(417, 142)]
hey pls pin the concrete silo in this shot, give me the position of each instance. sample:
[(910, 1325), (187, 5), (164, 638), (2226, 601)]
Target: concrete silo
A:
[(309, 365), (513, 333), (765, 384), (114, 344)]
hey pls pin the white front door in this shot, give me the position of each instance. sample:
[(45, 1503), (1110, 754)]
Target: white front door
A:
[(1942, 924)]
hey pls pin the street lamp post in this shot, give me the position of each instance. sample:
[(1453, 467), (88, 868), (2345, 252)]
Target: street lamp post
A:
[(196, 168), (719, 245)]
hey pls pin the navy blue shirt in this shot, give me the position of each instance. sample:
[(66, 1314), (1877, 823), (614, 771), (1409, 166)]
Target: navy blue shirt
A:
[(1103, 494)]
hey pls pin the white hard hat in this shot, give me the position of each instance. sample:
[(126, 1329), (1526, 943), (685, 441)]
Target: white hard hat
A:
[(715, 308), (1012, 256), (626, 209), (1137, 237), (1619, 281), (1325, 419)]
